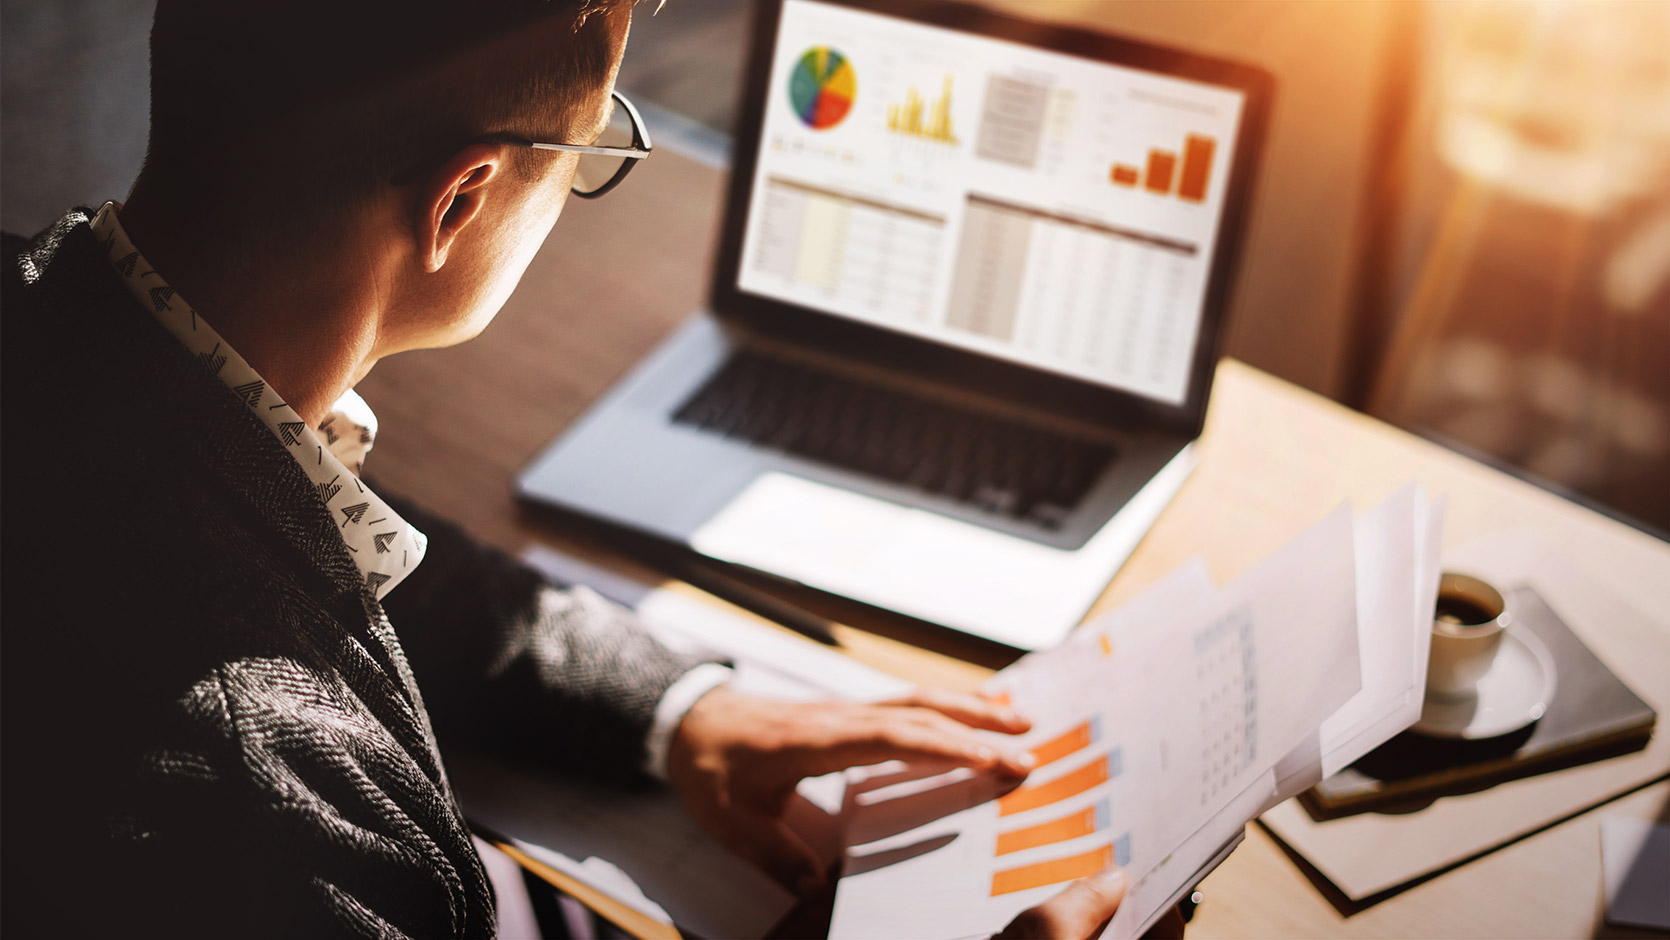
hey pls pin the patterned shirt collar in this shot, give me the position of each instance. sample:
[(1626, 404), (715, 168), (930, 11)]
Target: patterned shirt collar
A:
[(384, 546)]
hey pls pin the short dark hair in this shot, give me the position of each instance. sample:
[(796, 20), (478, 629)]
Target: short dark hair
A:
[(230, 77)]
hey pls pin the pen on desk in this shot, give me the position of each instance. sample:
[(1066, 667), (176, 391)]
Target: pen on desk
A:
[(726, 588)]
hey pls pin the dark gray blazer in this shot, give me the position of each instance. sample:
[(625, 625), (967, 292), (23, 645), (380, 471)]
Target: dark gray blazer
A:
[(209, 726)]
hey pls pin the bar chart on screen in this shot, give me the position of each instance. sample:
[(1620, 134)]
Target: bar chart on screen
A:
[(913, 116), (1160, 174)]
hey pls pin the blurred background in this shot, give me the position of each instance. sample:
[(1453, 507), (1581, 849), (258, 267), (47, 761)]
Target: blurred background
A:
[(1462, 224)]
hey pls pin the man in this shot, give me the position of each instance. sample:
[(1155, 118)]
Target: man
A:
[(228, 659)]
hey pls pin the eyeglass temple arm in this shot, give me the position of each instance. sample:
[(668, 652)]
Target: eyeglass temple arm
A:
[(628, 152)]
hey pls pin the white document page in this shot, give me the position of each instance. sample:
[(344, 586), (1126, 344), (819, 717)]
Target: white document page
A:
[(1394, 621), (1397, 590), (1397, 583), (1131, 765)]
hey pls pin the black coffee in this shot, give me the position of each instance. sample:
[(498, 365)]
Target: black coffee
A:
[(1462, 611)]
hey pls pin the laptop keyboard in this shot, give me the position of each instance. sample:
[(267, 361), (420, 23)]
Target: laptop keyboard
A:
[(999, 465)]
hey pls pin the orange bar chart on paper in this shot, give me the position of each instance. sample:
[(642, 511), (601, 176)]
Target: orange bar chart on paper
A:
[(1051, 872), (1070, 784), (1069, 742), (1057, 870), (1086, 821)]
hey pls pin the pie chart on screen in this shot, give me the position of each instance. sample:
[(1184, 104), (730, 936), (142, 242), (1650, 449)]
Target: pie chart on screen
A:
[(822, 87)]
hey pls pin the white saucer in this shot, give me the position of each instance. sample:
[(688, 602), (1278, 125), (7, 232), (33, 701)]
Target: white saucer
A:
[(1515, 692)]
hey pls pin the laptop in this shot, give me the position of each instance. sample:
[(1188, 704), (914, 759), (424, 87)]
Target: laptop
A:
[(964, 319)]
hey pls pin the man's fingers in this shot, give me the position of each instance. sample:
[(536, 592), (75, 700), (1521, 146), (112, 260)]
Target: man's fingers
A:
[(972, 710), (1079, 911), (769, 843), (884, 736)]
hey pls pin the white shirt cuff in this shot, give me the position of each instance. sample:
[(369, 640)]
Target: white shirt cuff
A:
[(675, 702)]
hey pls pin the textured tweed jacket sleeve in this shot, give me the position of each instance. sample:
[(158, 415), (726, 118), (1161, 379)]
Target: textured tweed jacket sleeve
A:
[(203, 708), (511, 664)]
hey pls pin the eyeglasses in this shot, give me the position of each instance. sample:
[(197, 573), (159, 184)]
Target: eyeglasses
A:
[(604, 164)]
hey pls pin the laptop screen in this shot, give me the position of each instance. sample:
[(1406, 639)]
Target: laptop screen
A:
[(1047, 209)]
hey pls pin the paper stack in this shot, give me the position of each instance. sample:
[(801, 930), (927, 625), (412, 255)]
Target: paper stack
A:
[(1160, 730)]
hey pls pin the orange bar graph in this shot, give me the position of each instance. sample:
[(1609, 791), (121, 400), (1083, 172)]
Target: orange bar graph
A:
[(1070, 742), (1197, 167), (1052, 872), (1160, 165), (1069, 784), (1162, 170), (1082, 823)]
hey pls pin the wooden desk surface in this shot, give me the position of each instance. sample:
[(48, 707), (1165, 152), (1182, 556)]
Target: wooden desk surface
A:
[(618, 273)]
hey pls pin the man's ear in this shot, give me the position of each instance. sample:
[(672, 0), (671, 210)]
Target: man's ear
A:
[(451, 198)]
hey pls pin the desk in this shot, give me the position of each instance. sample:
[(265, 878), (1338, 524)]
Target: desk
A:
[(618, 273)]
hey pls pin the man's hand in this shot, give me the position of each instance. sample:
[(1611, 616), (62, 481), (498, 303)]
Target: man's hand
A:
[(1083, 909), (735, 760), (1078, 912)]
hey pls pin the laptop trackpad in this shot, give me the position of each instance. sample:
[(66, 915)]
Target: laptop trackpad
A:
[(798, 529), (920, 563)]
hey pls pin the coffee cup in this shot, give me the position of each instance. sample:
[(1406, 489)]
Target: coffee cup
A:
[(1466, 633)]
